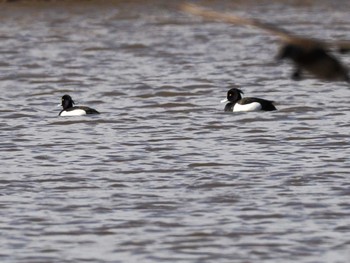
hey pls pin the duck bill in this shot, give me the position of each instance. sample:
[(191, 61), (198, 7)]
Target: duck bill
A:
[(223, 101)]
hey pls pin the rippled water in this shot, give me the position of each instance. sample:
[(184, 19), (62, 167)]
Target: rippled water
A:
[(163, 174)]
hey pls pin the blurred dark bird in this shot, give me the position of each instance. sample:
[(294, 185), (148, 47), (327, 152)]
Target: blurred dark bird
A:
[(308, 55), (237, 103)]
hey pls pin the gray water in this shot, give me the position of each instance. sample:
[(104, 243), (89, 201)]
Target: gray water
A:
[(163, 174)]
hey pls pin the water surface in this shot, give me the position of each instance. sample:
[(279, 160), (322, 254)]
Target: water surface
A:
[(163, 174)]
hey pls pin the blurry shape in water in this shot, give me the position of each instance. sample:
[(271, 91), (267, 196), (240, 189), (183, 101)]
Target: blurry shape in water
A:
[(310, 55), (70, 110), (237, 103)]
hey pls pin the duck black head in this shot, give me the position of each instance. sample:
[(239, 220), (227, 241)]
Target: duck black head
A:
[(67, 102), (234, 95)]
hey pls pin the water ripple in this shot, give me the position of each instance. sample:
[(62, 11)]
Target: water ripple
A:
[(163, 173)]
